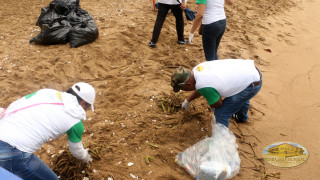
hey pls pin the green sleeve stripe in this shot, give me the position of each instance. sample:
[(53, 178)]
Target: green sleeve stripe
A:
[(211, 94), (30, 95), (75, 132), (201, 1)]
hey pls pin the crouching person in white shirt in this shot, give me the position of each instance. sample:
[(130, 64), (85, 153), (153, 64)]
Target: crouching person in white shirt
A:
[(35, 119)]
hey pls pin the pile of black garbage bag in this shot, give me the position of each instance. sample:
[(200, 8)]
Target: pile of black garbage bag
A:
[(64, 21)]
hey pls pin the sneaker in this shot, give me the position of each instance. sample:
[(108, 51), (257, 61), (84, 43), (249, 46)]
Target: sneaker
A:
[(236, 118), (183, 42), (152, 44)]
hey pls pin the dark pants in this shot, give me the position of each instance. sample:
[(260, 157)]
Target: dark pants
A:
[(211, 37), (161, 17)]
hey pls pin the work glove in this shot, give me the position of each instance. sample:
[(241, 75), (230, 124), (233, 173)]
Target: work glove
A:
[(214, 121), (185, 105), (88, 158), (191, 35)]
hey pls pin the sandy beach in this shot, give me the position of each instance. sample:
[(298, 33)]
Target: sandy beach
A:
[(133, 81), (290, 99)]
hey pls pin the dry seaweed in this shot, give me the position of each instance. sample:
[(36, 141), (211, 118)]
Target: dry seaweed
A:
[(69, 168), (171, 103)]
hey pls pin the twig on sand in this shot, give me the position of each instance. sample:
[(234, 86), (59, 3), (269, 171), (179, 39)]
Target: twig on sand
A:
[(256, 168), (258, 110), (252, 136), (245, 151), (255, 155), (242, 136), (163, 159), (186, 116)]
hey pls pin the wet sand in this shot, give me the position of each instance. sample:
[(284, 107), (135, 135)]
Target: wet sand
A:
[(291, 98)]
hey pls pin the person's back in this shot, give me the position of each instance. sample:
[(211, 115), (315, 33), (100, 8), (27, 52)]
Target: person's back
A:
[(42, 115), (227, 85), (228, 77), (35, 119), (214, 11), (212, 18)]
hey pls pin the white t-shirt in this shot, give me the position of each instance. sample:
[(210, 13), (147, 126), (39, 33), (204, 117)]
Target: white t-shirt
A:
[(213, 12), (29, 128), (224, 77), (171, 2)]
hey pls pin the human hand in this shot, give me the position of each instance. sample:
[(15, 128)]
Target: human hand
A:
[(191, 35), (183, 6), (185, 105), (88, 158)]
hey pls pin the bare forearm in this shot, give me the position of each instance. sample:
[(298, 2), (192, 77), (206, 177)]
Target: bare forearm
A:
[(198, 19), (195, 94), (196, 24)]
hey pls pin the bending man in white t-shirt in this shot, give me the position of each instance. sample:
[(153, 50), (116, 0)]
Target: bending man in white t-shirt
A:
[(35, 119), (234, 79)]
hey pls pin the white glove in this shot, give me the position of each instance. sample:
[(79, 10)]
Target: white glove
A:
[(214, 121), (88, 158), (191, 35), (185, 105)]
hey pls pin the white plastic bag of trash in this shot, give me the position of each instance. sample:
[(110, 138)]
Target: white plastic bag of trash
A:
[(213, 158)]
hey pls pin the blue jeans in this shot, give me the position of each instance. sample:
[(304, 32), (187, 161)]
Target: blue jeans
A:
[(211, 37), (238, 103), (24, 165)]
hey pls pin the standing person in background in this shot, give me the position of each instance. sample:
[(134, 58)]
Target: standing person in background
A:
[(35, 119), (211, 14), (177, 9)]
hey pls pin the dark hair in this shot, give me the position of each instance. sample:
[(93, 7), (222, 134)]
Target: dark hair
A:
[(71, 91)]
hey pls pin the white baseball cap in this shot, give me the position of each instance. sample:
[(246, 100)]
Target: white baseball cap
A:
[(86, 92)]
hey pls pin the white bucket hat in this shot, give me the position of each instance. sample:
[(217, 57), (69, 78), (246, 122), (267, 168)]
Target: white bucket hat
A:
[(86, 92)]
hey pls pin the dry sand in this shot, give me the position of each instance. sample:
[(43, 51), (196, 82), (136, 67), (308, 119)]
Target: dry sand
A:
[(132, 81)]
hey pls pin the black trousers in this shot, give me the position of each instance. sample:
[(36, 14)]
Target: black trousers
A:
[(161, 17)]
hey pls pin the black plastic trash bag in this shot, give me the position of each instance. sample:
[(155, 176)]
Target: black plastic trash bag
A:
[(64, 21), (84, 30), (83, 33), (56, 33), (64, 7)]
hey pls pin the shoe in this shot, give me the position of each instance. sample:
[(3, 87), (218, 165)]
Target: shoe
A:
[(236, 118), (152, 44), (183, 42)]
